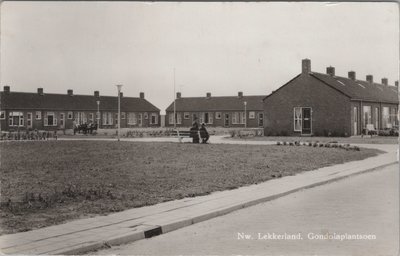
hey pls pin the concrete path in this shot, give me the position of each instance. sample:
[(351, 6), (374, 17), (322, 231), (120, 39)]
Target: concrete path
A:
[(365, 205), (85, 235)]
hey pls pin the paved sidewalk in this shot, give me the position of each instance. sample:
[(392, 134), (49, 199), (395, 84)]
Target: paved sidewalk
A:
[(85, 235)]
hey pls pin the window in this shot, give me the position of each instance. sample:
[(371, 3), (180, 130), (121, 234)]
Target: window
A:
[(186, 115), (140, 119), (376, 118), (218, 115), (146, 116), (69, 114), (91, 117), (2, 115), (123, 115), (171, 118), (16, 119), (208, 118), (242, 118), (29, 119), (385, 117), (178, 118), (132, 119), (297, 119), (393, 117), (154, 118), (367, 116), (80, 117), (38, 115), (235, 118), (107, 118), (116, 118), (50, 119), (252, 115)]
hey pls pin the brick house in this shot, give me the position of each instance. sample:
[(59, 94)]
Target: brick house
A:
[(226, 111), (328, 105), (47, 111)]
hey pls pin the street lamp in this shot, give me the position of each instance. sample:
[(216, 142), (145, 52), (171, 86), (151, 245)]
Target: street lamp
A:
[(245, 115), (119, 109), (98, 113)]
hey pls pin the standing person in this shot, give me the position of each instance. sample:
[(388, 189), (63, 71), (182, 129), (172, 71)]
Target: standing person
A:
[(204, 134), (194, 133)]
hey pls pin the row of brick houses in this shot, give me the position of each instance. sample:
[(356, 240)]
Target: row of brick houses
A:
[(311, 104), (220, 111), (319, 104), (47, 111)]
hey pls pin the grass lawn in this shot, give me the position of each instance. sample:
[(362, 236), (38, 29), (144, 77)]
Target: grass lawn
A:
[(49, 182), (351, 140)]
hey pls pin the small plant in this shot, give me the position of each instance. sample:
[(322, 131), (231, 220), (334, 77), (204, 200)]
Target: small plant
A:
[(278, 143)]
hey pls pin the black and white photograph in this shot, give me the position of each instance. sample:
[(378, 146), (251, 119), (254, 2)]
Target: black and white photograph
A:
[(199, 128)]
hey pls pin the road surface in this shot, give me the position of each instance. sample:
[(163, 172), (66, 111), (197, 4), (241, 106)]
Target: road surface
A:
[(364, 206)]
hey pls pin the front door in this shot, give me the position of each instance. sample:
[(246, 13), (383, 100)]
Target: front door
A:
[(226, 120), (260, 119), (306, 124), (62, 120)]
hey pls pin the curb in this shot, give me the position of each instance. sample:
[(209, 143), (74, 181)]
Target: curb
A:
[(149, 230)]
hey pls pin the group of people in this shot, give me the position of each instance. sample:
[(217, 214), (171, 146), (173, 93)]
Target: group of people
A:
[(194, 133)]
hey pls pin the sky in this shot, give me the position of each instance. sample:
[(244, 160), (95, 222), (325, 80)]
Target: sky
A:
[(214, 47)]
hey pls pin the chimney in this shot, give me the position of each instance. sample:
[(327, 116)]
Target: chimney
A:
[(40, 91), (330, 71), (178, 95), (121, 94), (96, 94), (141, 95), (352, 75), (6, 89), (305, 66), (396, 83), (208, 95), (240, 94), (384, 81), (70, 92), (370, 78)]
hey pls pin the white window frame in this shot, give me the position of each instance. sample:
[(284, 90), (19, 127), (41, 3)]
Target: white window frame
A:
[(140, 119), (62, 119), (18, 114), (132, 120), (146, 116), (298, 119), (235, 117), (385, 117), (178, 118), (123, 115), (367, 121), (171, 118), (242, 118), (38, 115), (70, 114), (2, 115), (376, 118), (186, 115), (252, 115), (218, 115), (107, 118)]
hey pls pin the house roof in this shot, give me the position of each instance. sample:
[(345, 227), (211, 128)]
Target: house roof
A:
[(23, 100), (360, 90), (355, 89), (218, 103)]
